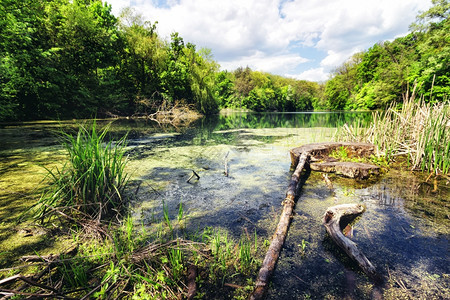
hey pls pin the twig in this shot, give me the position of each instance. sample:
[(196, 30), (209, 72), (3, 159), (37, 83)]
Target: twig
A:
[(225, 164), (429, 176), (327, 181), (235, 286), (194, 174)]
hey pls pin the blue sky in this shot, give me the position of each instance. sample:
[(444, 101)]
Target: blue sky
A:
[(303, 39)]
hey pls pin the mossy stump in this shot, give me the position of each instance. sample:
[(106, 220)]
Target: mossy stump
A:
[(321, 161)]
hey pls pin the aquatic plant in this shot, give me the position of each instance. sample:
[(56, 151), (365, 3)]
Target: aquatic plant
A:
[(245, 255), (418, 130), (302, 246), (93, 180)]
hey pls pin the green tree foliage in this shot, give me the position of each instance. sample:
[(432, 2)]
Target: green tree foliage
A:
[(73, 58), (390, 71), (260, 91), (51, 54)]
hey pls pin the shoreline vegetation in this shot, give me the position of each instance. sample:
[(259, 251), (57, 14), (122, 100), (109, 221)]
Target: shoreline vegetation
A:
[(74, 59), (418, 133), (109, 256), (49, 74)]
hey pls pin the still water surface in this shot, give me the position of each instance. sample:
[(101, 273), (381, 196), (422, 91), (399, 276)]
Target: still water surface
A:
[(404, 231)]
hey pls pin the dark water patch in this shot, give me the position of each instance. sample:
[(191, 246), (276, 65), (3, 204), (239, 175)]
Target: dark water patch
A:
[(396, 241)]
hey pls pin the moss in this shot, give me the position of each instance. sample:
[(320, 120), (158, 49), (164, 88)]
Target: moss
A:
[(404, 228)]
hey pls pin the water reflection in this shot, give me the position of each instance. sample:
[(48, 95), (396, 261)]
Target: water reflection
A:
[(405, 227)]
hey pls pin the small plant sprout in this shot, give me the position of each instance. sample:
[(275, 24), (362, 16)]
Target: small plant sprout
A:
[(166, 216), (302, 246)]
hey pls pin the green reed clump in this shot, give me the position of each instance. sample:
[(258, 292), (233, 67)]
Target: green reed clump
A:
[(419, 130), (93, 180)]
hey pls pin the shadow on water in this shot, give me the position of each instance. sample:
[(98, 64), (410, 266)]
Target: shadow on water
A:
[(408, 251)]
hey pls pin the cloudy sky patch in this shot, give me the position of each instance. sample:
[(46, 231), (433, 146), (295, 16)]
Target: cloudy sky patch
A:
[(303, 39)]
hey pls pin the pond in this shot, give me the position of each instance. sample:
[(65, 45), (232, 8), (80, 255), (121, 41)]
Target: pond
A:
[(404, 231)]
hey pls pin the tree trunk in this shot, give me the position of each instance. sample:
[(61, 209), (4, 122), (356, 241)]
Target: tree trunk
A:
[(272, 254)]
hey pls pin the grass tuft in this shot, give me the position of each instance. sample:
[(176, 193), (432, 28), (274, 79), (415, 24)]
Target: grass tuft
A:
[(93, 180)]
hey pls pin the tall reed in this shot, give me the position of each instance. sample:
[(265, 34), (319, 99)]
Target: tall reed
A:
[(419, 130), (93, 180)]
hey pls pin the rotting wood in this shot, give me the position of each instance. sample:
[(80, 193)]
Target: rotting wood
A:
[(300, 157), (191, 284), (320, 150), (268, 265), (347, 169), (332, 222)]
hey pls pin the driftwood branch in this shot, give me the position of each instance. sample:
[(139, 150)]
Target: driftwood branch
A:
[(332, 222), (262, 281)]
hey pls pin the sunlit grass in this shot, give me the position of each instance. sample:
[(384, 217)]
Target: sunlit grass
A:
[(93, 180), (418, 130)]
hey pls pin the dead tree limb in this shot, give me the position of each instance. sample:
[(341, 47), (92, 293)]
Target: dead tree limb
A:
[(332, 222), (327, 181), (192, 285), (225, 164), (268, 265)]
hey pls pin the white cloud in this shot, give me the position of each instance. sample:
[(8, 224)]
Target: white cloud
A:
[(316, 74), (118, 5), (276, 63), (261, 33)]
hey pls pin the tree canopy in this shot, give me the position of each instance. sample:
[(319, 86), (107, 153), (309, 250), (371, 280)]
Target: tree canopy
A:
[(74, 59), (390, 71)]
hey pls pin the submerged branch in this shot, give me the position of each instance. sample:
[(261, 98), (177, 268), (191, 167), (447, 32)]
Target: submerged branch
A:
[(332, 222)]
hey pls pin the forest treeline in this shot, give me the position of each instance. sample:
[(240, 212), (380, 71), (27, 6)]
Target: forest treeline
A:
[(392, 70), (74, 59)]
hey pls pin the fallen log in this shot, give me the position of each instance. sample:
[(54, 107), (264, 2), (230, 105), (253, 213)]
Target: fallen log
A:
[(300, 157), (268, 265), (332, 220)]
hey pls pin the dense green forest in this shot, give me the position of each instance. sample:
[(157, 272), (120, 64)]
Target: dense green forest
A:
[(74, 59), (65, 59), (390, 71)]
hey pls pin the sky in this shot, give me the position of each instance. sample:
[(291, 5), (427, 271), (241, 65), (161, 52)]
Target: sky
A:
[(302, 39)]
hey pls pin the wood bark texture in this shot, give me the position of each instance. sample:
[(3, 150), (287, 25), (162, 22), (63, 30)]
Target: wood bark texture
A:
[(268, 265), (300, 157), (332, 220)]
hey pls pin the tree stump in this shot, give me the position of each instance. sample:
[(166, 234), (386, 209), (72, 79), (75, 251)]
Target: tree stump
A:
[(347, 169), (300, 158)]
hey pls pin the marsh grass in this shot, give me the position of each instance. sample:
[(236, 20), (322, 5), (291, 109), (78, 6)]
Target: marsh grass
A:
[(120, 260), (93, 180), (418, 130), (137, 263)]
